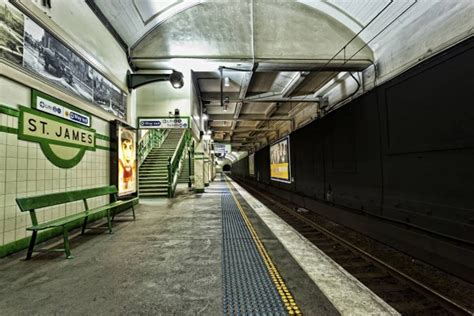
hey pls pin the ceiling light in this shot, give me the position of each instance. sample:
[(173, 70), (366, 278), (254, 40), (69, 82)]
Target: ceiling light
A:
[(205, 117), (177, 79), (226, 82)]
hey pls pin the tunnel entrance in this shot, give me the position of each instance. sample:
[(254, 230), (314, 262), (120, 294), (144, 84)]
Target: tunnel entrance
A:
[(226, 168)]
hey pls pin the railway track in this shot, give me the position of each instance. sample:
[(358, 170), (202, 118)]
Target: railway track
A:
[(407, 295)]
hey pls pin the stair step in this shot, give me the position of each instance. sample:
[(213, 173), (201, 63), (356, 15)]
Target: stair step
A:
[(154, 195), (153, 182), (160, 191), (153, 188)]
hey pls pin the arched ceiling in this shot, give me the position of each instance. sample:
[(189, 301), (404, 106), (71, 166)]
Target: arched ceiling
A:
[(298, 29), (291, 49), (250, 29)]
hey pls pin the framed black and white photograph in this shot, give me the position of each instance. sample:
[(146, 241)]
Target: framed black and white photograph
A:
[(11, 33), (52, 60), (27, 43), (102, 92)]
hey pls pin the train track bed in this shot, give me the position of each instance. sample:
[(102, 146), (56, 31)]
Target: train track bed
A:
[(410, 286)]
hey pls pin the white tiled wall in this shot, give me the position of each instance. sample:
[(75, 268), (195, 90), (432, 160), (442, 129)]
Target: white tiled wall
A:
[(25, 171)]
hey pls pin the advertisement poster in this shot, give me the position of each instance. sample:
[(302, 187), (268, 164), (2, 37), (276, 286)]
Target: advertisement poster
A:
[(127, 173), (252, 165), (280, 160)]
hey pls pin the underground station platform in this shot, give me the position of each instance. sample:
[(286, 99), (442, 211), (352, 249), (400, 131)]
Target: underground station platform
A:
[(250, 157), (220, 252)]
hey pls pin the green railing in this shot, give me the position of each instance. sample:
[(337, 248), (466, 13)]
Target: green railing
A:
[(153, 138), (175, 161)]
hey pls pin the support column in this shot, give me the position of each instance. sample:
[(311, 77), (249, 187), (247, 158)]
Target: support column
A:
[(206, 170), (199, 168)]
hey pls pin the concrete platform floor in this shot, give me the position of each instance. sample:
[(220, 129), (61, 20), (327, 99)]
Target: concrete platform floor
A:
[(167, 262)]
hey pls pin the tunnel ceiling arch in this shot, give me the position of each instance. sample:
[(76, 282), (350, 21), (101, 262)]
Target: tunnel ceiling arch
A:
[(234, 29), (238, 29)]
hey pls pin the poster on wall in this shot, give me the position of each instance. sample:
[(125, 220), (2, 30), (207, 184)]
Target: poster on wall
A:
[(127, 163), (26, 43), (252, 165), (280, 160)]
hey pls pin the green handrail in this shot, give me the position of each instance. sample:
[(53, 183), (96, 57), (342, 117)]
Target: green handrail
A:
[(173, 162), (152, 139)]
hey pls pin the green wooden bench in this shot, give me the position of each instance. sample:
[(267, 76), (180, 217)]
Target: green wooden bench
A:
[(33, 203)]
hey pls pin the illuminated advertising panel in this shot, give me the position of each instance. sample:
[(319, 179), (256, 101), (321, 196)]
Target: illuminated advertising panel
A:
[(127, 164), (280, 160)]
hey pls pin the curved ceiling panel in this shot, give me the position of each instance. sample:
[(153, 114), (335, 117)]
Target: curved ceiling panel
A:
[(210, 29), (134, 19), (264, 29)]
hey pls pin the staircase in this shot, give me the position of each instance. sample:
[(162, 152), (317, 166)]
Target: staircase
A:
[(153, 178), (184, 175)]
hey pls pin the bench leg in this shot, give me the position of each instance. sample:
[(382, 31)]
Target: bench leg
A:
[(32, 245), (67, 248), (133, 211), (84, 226), (109, 221)]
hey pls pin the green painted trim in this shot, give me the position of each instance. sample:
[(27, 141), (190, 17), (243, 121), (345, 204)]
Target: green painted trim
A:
[(23, 243), (10, 130), (35, 94), (199, 190), (58, 161), (9, 111), (53, 118), (102, 147), (103, 137)]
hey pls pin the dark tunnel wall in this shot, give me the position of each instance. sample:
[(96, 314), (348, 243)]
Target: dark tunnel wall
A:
[(404, 151)]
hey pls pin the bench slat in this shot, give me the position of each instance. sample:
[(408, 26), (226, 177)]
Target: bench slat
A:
[(71, 218), (36, 202)]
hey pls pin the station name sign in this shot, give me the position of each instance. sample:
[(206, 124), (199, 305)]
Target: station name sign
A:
[(164, 122), (62, 111), (36, 126)]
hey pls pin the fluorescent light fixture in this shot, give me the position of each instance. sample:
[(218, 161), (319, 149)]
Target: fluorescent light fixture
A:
[(205, 117), (226, 82), (209, 132)]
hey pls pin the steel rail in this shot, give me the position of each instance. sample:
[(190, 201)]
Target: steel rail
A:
[(443, 300)]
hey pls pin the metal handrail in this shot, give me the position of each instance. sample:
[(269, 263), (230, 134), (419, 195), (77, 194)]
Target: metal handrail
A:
[(174, 162), (152, 139)]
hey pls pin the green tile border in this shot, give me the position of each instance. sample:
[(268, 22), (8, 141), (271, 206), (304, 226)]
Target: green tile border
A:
[(9, 111), (10, 130), (103, 137), (102, 147), (23, 243)]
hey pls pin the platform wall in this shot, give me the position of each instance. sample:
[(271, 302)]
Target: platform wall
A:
[(402, 154)]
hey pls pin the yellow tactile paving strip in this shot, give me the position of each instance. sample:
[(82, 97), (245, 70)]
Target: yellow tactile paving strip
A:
[(285, 294)]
